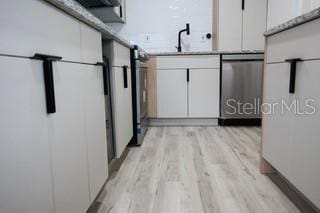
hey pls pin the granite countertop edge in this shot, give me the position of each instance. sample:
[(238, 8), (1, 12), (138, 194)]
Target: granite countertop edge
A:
[(307, 17), (204, 53), (76, 10)]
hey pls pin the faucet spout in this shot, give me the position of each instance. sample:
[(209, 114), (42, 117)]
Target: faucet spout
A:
[(187, 30)]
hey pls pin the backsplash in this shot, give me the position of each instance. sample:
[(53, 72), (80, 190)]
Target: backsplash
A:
[(152, 30)]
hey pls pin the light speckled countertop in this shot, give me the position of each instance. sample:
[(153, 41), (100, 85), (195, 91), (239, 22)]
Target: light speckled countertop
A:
[(75, 9), (312, 15), (204, 53)]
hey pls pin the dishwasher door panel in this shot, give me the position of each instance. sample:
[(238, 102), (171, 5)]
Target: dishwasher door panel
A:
[(241, 84)]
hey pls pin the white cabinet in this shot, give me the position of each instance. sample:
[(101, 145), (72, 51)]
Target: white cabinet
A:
[(37, 26), (241, 24), (50, 162), (305, 144), (172, 93), (254, 24), (119, 57), (68, 141), (122, 108), (230, 25), (25, 174), (290, 139), (188, 86), (203, 92), (91, 44), (95, 129), (276, 125)]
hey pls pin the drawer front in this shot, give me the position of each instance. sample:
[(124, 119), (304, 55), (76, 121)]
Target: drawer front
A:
[(39, 27), (192, 61), (299, 42), (91, 44), (121, 55)]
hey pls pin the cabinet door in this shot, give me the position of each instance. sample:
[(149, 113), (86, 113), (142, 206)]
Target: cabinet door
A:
[(277, 124), (68, 140), (254, 24), (230, 25), (95, 128), (122, 109), (25, 174), (172, 94), (305, 140), (204, 92)]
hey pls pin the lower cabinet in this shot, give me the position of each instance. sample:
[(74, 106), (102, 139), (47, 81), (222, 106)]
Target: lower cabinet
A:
[(122, 106), (172, 97), (276, 125), (188, 93), (25, 174), (204, 93), (51, 162), (291, 138), (305, 133)]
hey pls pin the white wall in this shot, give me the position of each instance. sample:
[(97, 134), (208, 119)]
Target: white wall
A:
[(280, 11), (154, 24)]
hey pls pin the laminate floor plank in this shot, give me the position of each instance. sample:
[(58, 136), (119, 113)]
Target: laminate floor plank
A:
[(194, 170)]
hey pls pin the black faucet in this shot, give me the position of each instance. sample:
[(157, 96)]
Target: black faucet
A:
[(179, 36)]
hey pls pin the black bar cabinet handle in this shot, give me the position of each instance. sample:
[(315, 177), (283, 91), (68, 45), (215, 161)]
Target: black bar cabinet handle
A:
[(48, 79), (188, 75), (243, 4), (121, 15), (293, 69), (105, 67), (125, 76)]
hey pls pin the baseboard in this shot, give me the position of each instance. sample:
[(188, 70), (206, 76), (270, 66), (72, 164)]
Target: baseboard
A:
[(240, 122), (182, 122), (296, 197)]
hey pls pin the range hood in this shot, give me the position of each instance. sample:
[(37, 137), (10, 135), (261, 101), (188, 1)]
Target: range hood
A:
[(99, 3)]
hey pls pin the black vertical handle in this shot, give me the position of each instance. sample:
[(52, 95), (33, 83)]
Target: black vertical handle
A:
[(293, 70), (105, 71), (48, 79), (125, 76), (121, 15), (49, 86), (188, 75), (243, 4)]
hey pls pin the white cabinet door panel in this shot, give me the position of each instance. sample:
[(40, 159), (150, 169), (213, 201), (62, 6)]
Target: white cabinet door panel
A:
[(305, 141), (204, 92), (95, 128), (172, 94), (25, 174), (68, 140), (38, 27), (277, 126), (121, 55), (230, 25), (91, 44), (254, 24), (122, 109)]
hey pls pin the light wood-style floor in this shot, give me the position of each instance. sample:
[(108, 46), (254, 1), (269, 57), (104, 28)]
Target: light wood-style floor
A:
[(194, 170)]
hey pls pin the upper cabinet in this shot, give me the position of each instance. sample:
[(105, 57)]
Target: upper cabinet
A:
[(241, 24)]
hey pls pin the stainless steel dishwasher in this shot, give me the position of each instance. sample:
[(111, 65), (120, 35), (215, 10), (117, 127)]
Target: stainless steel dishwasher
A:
[(241, 89)]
